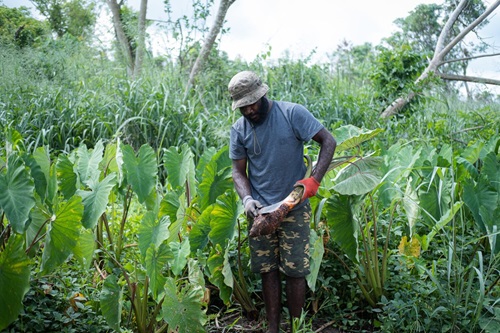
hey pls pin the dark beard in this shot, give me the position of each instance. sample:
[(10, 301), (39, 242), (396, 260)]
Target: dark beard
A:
[(263, 111)]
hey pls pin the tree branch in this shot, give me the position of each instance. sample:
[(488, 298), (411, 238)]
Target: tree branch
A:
[(453, 77), (209, 42), (469, 58), (467, 29)]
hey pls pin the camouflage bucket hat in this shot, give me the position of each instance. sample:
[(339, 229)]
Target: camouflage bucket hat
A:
[(246, 88)]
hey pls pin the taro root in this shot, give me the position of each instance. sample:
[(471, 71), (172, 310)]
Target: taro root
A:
[(265, 224)]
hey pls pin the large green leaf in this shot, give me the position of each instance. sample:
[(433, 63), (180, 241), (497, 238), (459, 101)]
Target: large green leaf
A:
[(14, 280), (141, 171), (88, 162), (156, 260), (63, 234), (180, 253), (182, 310), (198, 236), (224, 218), (430, 205), (152, 231), (37, 227), (113, 161), (66, 176), (195, 274), (350, 136), (479, 195), (213, 184), (96, 200), (344, 229), (410, 205), (359, 177), (84, 250), (39, 164), (180, 167), (204, 159), (491, 169), (111, 302), (170, 205), (220, 273), (16, 194), (316, 253)]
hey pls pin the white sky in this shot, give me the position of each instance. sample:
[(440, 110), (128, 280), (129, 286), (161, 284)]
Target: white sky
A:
[(301, 26)]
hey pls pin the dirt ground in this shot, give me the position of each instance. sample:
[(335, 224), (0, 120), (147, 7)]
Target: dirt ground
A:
[(237, 323)]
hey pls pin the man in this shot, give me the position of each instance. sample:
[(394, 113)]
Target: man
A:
[(267, 150)]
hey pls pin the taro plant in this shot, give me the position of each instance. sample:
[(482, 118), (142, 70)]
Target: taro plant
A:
[(352, 193), (94, 202), (452, 238)]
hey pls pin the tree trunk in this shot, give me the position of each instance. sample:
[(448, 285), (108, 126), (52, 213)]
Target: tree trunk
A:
[(440, 53), (121, 36), (209, 42), (134, 61), (141, 40)]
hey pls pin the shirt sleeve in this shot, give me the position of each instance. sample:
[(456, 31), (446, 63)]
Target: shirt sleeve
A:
[(236, 149), (305, 125)]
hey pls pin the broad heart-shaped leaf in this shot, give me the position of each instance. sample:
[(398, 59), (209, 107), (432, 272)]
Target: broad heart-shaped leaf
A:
[(84, 250), (14, 280), (180, 167), (182, 310), (63, 234), (16, 194), (220, 273), (111, 302), (96, 200), (66, 176), (198, 236), (478, 196), (205, 158), (39, 164), (180, 253), (316, 252), (214, 183), (157, 258), (141, 171), (113, 161), (195, 274), (359, 177), (37, 226), (224, 217), (152, 231), (88, 162), (170, 205), (491, 169), (344, 228), (350, 136)]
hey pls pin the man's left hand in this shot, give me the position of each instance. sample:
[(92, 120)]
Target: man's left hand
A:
[(311, 186)]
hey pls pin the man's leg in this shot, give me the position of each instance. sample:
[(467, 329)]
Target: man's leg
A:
[(296, 295), (271, 289)]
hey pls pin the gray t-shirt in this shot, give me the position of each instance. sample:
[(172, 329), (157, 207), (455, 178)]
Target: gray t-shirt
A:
[(274, 149)]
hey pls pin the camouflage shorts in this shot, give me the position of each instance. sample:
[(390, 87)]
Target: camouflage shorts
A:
[(287, 249)]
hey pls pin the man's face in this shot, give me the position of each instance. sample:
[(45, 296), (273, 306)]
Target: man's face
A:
[(255, 113)]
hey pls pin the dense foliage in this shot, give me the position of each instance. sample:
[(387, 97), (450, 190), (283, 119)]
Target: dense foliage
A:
[(117, 209)]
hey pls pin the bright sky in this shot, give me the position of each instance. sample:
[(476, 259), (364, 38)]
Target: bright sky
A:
[(301, 26)]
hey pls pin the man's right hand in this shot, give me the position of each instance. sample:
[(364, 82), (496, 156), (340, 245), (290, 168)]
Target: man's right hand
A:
[(251, 206)]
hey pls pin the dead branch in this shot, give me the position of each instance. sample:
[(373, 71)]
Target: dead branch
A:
[(440, 52), (469, 58), (464, 78)]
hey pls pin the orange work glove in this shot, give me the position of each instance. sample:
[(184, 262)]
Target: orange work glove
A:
[(311, 186)]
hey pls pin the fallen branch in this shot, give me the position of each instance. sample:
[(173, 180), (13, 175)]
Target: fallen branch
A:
[(322, 327)]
